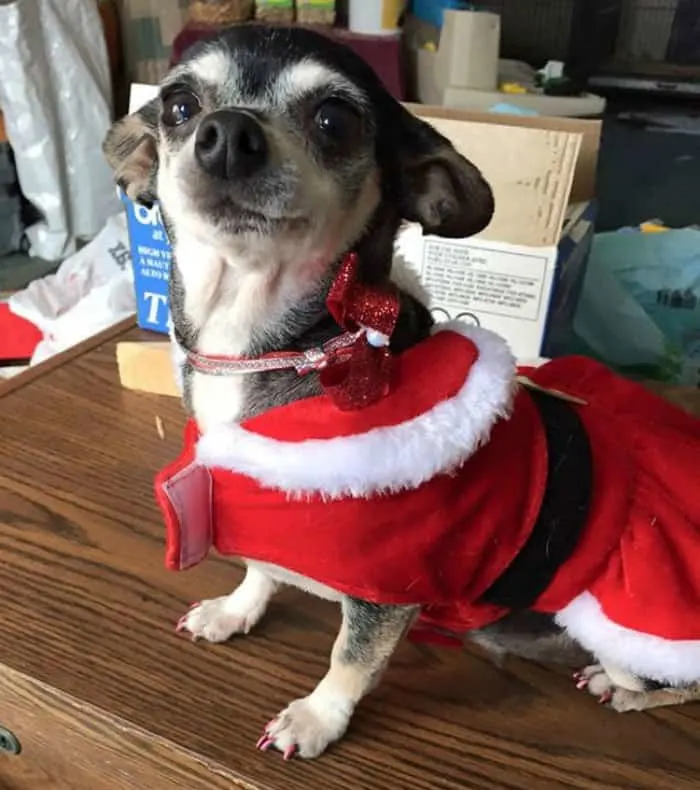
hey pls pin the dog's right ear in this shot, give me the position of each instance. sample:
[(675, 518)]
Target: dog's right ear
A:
[(437, 187), (131, 150)]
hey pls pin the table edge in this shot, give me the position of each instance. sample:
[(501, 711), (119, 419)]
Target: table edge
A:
[(202, 767), (59, 360)]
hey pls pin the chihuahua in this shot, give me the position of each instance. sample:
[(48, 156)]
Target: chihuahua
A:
[(272, 153)]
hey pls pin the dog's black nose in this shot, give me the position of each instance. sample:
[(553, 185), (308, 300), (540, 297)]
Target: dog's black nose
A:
[(231, 144)]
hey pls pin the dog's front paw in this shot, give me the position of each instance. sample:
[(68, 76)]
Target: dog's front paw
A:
[(306, 728), (218, 619)]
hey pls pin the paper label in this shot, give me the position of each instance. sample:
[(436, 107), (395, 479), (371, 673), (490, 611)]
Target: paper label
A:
[(484, 280), (503, 287)]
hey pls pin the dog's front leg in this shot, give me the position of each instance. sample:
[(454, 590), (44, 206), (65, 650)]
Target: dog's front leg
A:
[(218, 619), (368, 636)]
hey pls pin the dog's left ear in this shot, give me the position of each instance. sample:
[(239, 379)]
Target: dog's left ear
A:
[(131, 151), (438, 188)]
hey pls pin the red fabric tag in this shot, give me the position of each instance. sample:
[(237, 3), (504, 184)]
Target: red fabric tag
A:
[(186, 500)]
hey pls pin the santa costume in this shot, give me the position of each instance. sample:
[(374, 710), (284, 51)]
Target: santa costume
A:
[(468, 492)]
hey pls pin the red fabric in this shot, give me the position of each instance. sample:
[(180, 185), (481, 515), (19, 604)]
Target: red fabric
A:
[(184, 493), (392, 548), (443, 544), (407, 547), (413, 391), (366, 377), (645, 525), (355, 304), (18, 338)]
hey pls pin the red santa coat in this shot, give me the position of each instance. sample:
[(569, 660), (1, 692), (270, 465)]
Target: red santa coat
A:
[(427, 497)]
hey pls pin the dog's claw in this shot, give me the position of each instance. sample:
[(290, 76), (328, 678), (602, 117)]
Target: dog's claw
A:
[(605, 697), (582, 683), (267, 741), (264, 743), (262, 740), (182, 622)]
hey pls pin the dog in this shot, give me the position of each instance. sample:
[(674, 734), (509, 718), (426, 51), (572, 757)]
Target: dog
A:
[(282, 166)]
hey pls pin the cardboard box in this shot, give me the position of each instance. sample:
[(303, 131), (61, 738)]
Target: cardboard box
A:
[(458, 67), (521, 276), (151, 256), (467, 55)]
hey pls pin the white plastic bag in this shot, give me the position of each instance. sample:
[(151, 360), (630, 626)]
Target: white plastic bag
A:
[(55, 96), (90, 291)]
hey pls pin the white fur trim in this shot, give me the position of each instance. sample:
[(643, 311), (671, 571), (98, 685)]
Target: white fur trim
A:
[(645, 655), (382, 459)]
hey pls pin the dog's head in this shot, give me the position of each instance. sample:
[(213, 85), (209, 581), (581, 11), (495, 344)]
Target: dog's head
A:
[(282, 134)]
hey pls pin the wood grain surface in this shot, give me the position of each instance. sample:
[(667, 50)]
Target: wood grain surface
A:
[(91, 656), (67, 743)]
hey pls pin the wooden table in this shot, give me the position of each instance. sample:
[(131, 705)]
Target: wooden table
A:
[(102, 693)]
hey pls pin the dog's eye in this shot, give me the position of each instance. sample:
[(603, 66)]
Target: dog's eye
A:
[(179, 108), (338, 121)]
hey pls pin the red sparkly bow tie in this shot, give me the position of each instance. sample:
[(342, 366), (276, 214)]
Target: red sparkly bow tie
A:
[(365, 377), (355, 368)]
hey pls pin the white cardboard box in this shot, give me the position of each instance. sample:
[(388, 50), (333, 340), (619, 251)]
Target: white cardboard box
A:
[(522, 275)]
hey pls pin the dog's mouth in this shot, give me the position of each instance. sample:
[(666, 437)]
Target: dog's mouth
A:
[(236, 217)]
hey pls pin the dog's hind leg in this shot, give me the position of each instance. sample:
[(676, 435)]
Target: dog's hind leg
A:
[(623, 691), (656, 697)]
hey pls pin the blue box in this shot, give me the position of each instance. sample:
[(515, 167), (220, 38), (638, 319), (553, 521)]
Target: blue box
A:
[(573, 252), (151, 255), (430, 11)]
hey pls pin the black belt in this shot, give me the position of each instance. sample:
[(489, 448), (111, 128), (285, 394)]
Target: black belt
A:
[(564, 509)]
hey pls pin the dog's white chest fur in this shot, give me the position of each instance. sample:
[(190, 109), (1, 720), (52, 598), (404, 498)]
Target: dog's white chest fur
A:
[(223, 304)]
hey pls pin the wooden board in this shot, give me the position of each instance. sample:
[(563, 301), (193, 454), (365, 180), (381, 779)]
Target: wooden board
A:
[(147, 366)]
